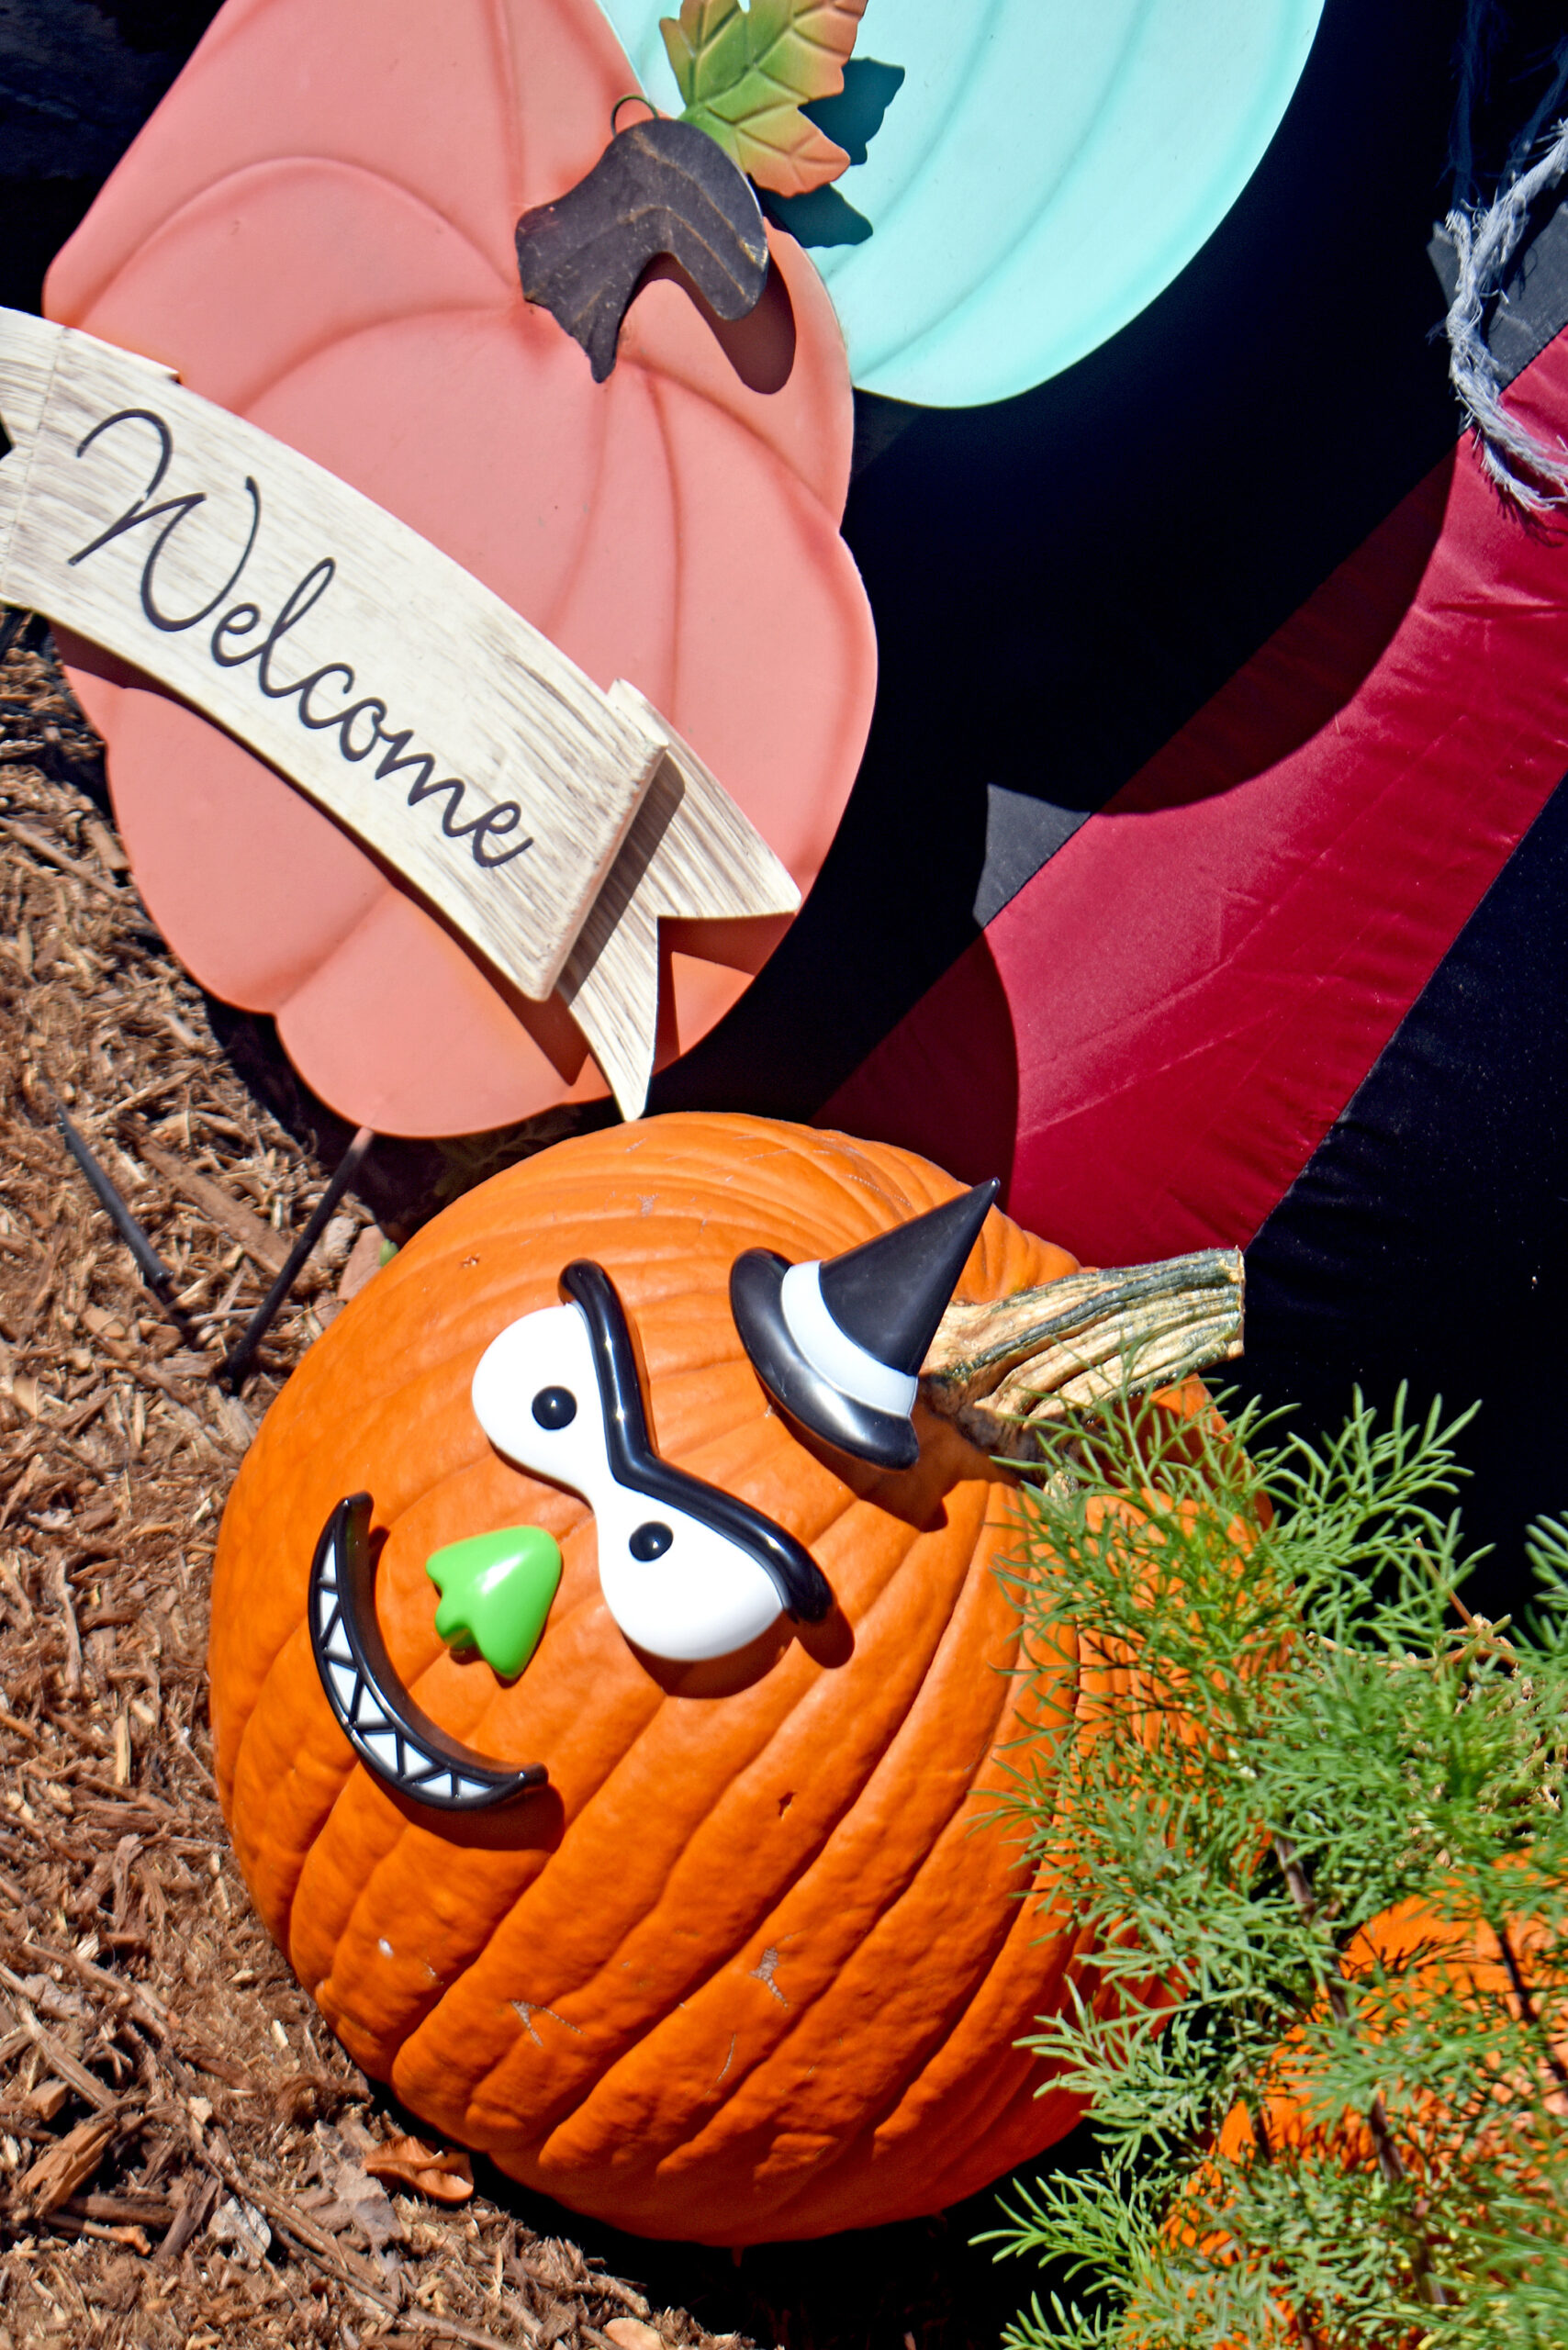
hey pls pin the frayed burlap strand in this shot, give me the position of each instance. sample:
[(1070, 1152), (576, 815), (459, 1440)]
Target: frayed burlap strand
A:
[(1486, 241)]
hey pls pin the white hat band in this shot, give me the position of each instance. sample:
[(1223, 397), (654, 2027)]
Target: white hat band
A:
[(832, 1354)]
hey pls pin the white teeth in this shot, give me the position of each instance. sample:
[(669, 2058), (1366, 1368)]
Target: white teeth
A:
[(385, 1743), (394, 1754)]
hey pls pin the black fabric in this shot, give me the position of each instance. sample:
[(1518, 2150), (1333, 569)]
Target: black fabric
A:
[(77, 80), (1426, 1238), (1060, 580)]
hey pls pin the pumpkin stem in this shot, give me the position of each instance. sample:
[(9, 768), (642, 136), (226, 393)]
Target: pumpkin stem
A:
[(1002, 1369)]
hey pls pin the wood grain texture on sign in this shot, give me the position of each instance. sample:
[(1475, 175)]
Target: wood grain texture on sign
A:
[(380, 677), (691, 855)]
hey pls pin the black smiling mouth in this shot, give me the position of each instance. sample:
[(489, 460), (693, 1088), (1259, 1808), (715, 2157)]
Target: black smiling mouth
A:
[(395, 1739)]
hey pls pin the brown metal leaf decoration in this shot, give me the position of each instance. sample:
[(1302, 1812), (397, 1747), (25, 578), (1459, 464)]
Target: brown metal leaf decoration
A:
[(659, 187)]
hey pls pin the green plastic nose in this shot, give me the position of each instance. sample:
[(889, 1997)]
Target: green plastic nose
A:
[(495, 1591)]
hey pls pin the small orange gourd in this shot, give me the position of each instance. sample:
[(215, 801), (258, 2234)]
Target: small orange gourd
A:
[(1421, 1958), (752, 1966)]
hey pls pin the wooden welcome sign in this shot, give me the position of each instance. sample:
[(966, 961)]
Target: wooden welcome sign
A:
[(548, 822)]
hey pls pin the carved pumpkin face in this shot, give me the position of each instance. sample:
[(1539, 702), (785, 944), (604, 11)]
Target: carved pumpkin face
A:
[(316, 228), (750, 1967)]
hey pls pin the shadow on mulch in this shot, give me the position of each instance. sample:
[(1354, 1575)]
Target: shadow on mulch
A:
[(403, 1183), (182, 2146), (923, 2285)]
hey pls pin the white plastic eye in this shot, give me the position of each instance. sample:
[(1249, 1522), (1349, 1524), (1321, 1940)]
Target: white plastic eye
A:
[(677, 1587), (677, 1581), (536, 1397)]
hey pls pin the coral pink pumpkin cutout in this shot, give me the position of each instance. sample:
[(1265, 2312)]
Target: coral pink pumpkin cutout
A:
[(316, 231)]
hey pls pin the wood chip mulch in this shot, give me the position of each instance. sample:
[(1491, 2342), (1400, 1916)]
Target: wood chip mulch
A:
[(187, 2158)]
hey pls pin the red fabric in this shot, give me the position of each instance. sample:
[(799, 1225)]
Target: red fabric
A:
[(1169, 1017)]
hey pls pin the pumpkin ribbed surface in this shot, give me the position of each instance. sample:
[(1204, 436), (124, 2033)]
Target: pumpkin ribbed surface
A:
[(752, 1967), (317, 230)]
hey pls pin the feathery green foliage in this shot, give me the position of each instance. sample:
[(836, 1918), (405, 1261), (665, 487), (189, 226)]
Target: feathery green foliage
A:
[(1287, 1724)]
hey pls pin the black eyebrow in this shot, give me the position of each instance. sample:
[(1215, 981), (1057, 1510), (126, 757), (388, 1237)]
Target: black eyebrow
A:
[(800, 1581)]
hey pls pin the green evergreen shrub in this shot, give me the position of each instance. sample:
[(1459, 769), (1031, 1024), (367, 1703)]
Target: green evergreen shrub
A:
[(1288, 1725)]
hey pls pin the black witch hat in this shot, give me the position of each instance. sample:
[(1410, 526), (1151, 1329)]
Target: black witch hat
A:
[(838, 1344)]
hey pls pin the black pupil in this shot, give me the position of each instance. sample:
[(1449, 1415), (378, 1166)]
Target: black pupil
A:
[(554, 1408), (652, 1540)]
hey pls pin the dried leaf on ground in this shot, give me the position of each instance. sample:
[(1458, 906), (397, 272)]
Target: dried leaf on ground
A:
[(631, 2333), (240, 2227), (402, 2161), (362, 1261)]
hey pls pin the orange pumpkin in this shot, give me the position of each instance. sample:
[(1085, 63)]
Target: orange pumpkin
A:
[(1425, 1957), (751, 1967)]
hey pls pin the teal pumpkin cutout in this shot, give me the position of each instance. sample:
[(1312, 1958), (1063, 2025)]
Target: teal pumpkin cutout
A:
[(1025, 175), (495, 1591)]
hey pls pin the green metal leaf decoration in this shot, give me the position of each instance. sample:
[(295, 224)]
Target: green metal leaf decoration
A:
[(744, 74)]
